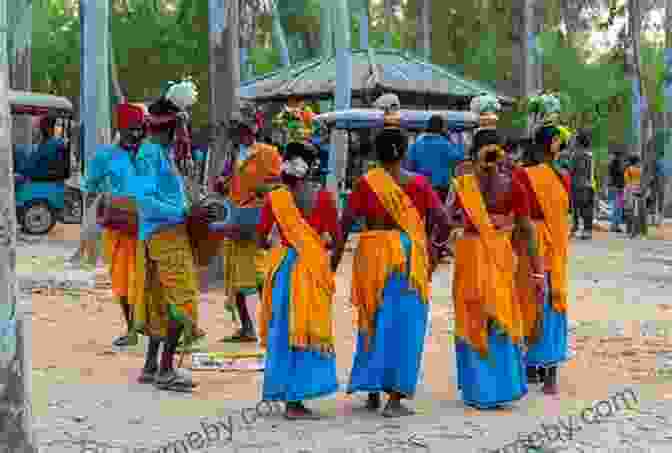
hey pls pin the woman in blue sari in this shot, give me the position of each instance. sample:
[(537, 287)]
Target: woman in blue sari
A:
[(295, 322), (391, 274)]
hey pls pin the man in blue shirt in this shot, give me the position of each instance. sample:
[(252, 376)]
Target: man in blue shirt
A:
[(435, 156), (110, 172), (171, 279), (49, 152)]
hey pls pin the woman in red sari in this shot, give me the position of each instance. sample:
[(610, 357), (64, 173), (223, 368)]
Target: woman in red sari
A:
[(391, 274), (295, 318)]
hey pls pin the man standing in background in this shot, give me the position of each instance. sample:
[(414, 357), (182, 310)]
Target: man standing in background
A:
[(435, 157), (616, 187), (582, 171)]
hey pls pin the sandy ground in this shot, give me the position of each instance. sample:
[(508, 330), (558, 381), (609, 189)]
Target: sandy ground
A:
[(73, 335)]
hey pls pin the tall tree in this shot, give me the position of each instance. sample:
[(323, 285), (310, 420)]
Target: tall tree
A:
[(668, 64), (526, 80), (15, 405), (424, 28), (224, 81), (20, 13)]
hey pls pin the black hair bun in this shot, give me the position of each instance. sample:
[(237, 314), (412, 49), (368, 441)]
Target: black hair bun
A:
[(391, 145), (545, 135), (162, 106), (305, 151), (485, 137)]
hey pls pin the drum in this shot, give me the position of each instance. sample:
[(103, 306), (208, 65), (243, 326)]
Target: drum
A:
[(117, 213), (229, 215)]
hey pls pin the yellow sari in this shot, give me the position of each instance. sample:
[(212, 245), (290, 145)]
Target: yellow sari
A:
[(483, 278), (553, 233), (312, 281), (381, 253)]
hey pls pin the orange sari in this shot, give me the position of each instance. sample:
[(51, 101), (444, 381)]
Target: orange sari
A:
[(264, 163), (119, 251)]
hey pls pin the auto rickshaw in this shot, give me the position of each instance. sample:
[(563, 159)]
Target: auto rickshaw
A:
[(42, 195), (360, 122)]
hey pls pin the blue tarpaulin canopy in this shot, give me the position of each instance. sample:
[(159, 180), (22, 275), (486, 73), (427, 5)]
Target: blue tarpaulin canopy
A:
[(409, 119)]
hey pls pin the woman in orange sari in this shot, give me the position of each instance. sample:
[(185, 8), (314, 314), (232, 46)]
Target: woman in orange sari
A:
[(545, 318), (391, 274), (295, 324), (490, 202)]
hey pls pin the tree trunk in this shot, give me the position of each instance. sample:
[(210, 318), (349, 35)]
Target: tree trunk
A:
[(388, 18), (114, 70), (95, 115), (279, 36), (664, 183), (634, 75), (15, 405), (525, 75), (103, 114), (326, 30), (424, 29), (338, 158), (224, 82), (21, 17)]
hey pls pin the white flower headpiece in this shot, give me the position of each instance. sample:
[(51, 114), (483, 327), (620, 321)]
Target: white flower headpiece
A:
[(389, 103), (183, 94)]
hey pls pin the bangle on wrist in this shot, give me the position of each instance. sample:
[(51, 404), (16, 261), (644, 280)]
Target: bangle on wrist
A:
[(536, 275)]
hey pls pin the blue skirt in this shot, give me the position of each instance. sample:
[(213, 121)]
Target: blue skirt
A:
[(293, 375), (551, 347), (392, 362), (491, 382)]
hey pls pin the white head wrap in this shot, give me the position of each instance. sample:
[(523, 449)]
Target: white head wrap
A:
[(296, 167)]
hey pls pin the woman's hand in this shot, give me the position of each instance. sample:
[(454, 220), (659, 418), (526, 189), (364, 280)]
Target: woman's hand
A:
[(539, 283)]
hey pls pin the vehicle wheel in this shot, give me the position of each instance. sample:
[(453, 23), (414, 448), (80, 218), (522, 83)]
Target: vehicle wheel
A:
[(73, 207), (38, 218)]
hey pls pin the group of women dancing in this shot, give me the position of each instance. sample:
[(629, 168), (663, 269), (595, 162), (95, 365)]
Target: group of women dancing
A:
[(509, 283)]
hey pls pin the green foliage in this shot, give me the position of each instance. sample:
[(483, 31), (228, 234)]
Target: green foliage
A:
[(591, 88)]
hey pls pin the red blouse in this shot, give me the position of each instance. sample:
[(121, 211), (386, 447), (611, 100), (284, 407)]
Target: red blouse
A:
[(323, 217), (535, 208), (516, 202), (363, 201)]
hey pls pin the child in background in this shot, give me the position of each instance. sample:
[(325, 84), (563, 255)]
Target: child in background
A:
[(633, 178)]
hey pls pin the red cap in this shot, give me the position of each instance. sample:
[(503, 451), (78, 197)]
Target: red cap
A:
[(128, 114)]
